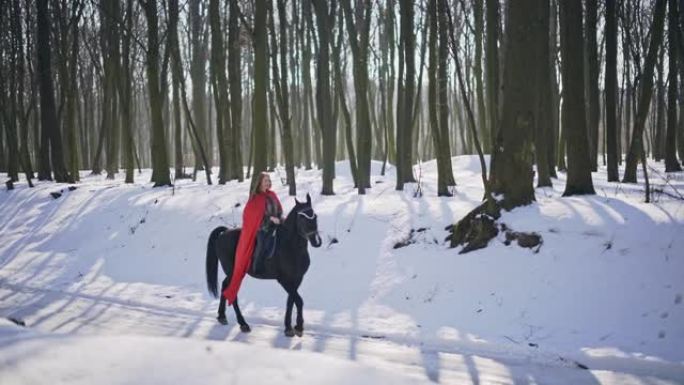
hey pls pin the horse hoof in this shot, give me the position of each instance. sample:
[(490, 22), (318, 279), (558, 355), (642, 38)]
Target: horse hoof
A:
[(299, 331), (289, 332), (245, 328), (222, 320)]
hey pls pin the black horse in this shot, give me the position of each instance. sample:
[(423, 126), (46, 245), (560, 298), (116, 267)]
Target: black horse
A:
[(288, 264)]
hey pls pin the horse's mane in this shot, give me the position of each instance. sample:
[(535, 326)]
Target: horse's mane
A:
[(290, 220)]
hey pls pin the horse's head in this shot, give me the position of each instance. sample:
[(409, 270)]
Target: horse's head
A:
[(307, 222)]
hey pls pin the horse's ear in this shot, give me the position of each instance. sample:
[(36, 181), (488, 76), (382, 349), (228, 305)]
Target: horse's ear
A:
[(297, 203), (308, 199)]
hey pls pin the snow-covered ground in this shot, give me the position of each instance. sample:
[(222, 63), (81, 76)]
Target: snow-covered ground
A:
[(109, 279)]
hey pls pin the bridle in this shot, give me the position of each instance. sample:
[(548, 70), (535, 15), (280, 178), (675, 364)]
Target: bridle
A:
[(307, 234)]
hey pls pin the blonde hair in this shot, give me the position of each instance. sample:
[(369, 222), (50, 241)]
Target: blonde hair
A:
[(257, 185)]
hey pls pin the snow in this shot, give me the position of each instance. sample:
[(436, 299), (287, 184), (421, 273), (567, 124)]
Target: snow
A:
[(113, 275), (153, 360)]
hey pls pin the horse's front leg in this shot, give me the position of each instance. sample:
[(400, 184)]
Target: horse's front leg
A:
[(299, 327), (288, 315)]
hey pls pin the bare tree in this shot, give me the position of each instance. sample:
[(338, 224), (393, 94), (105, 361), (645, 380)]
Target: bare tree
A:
[(358, 28), (579, 164), (325, 21), (671, 162), (160, 163), (52, 156), (611, 90), (646, 91)]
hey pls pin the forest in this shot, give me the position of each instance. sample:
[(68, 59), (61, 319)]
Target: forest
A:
[(186, 86), (434, 191)]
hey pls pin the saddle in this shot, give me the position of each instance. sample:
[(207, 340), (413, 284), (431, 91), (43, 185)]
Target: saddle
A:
[(263, 261)]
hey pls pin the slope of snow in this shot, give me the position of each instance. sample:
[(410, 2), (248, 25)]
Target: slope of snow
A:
[(605, 290), (59, 359)]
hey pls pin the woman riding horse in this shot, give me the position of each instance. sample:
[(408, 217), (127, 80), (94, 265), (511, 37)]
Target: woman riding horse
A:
[(288, 263), (262, 212)]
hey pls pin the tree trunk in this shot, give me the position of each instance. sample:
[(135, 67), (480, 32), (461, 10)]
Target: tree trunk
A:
[(553, 157), (280, 77), (544, 118), (579, 165), (72, 101), (671, 162), (305, 41), (235, 79), (160, 163), (127, 96), (659, 127), (176, 80), (324, 20), (260, 106), (3, 164), (358, 28), (112, 66), (492, 62), (646, 91), (198, 48), (340, 88), (513, 175), (477, 69), (52, 136), (680, 37), (220, 90), (611, 91), (593, 77), (407, 96), (442, 187)]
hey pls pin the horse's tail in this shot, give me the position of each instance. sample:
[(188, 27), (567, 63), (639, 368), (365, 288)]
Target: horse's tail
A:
[(212, 261)]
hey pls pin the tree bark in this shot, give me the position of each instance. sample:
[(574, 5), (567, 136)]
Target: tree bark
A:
[(305, 41), (358, 28), (477, 69), (657, 134), (671, 162), (52, 138), (112, 66), (198, 75), (235, 79), (579, 163), (280, 77), (555, 92), (324, 20), (544, 118), (220, 90), (127, 96), (646, 91), (176, 84), (492, 62), (593, 111), (611, 91), (261, 80), (513, 175), (160, 163), (340, 88), (407, 96)]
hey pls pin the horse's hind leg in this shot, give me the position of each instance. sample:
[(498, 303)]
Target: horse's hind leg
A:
[(222, 304), (244, 327)]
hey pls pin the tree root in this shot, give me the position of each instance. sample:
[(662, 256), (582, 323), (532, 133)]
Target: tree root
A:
[(478, 227)]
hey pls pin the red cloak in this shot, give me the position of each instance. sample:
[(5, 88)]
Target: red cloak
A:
[(251, 220)]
